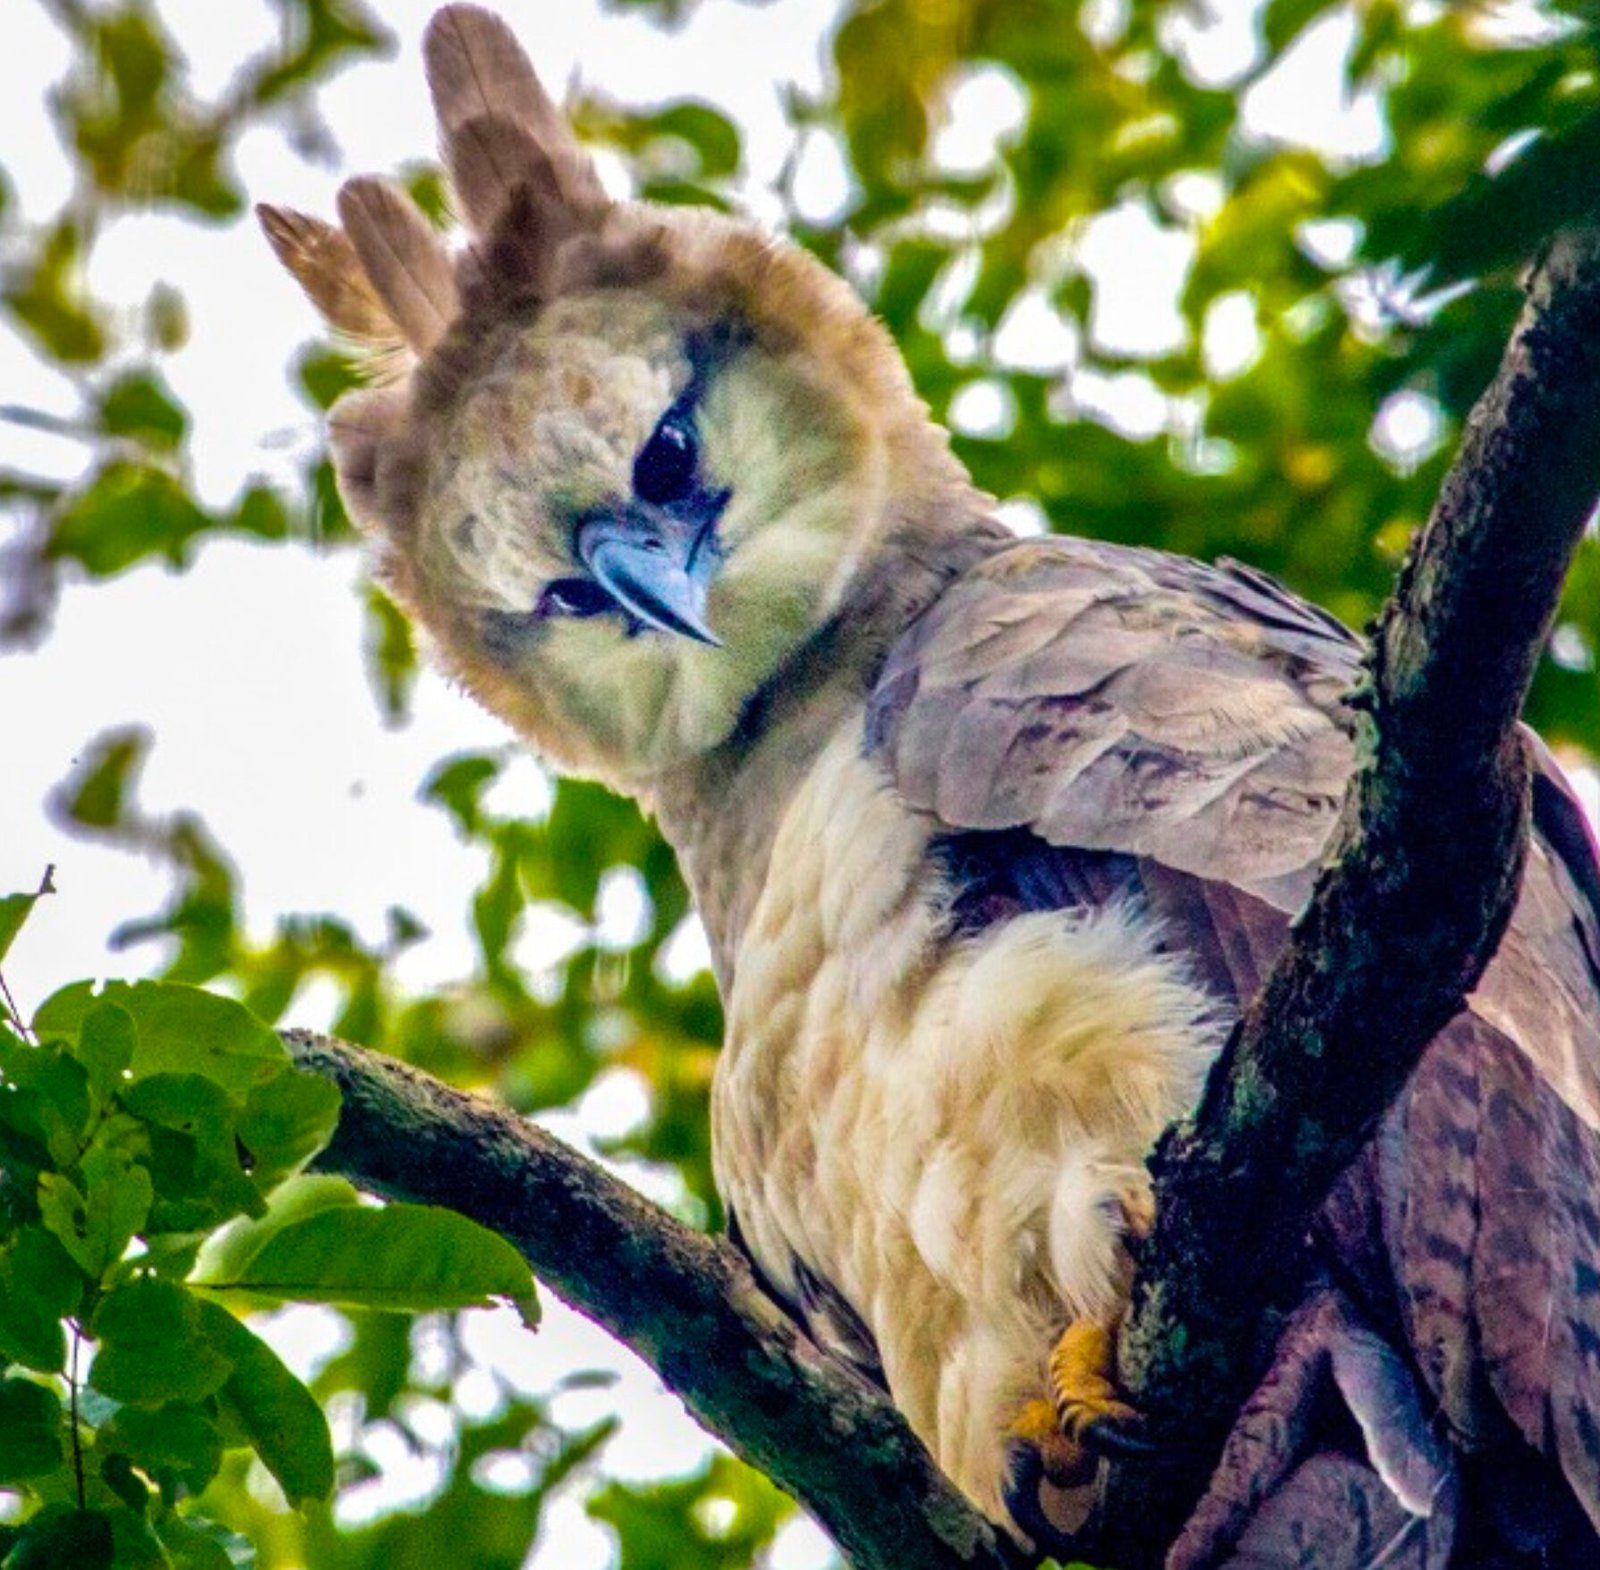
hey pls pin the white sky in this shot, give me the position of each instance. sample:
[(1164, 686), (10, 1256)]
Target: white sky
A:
[(246, 667)]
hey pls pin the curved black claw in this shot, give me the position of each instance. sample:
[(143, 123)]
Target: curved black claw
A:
[(1119, 1437)]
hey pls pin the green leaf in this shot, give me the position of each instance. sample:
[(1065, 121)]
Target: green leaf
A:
[(96, 1228), (261, 512), (203, 1545), (228, 1254), (274, 1409), (105, 1046), (47, 296), (140, 406), (182, 1030), (172, 1444), (39, 1287), (16, 908), (129, 512), (410, 1258), (457, 784), (286, 1122), (202, 1163), (61, 1538), (47, 1097), (117, 1472), (30, 1430), (99, 789), (155, 1346)]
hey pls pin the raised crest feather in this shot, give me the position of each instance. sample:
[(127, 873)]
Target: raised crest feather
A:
[(479, 74), (402, 256), (325, 265)]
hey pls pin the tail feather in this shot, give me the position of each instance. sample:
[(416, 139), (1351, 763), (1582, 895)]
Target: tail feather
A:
[(406, 262)]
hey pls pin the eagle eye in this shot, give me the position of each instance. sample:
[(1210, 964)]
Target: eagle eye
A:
[(578, 597), (664, 471)]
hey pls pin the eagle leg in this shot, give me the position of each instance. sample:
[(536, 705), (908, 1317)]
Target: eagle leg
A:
[(1083, 1391)]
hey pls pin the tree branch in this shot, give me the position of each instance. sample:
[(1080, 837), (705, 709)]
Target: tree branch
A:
[(688, 1304), (1417, 890)]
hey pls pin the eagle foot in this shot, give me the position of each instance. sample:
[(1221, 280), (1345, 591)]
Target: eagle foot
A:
[(1087, 1405)]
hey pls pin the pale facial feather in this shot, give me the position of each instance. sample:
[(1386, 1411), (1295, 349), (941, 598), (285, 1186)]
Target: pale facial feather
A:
[(551, 430)]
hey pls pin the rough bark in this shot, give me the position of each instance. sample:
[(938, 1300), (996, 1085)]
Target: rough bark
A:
[(688, 1304), (1416, 891)]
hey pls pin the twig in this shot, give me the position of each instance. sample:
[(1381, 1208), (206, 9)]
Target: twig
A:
[(1410, 907), (686, 1303)]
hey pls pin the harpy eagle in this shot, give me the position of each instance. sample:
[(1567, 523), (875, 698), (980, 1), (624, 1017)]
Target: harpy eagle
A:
[(991, 838)]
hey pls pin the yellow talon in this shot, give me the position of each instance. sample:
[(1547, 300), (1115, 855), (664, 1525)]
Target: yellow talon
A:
[(1081, 1383)]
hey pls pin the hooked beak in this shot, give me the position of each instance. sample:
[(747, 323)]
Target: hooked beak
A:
[(657, 567)]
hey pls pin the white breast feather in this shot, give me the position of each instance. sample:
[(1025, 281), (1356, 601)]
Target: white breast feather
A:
[(942, 1129)]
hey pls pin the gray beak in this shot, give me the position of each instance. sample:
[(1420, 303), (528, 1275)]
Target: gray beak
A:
[(657, 567)]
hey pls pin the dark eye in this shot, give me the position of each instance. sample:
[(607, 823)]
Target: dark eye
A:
[(575, 597), (664, 471)]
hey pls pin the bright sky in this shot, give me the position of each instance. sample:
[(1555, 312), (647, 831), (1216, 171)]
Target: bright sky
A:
[(245, 669)]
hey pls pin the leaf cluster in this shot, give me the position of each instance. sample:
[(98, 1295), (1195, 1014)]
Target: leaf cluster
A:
[(152, 1141)]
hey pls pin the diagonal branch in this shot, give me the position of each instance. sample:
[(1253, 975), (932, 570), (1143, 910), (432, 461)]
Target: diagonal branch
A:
[(686, 1303), (1419, 885)]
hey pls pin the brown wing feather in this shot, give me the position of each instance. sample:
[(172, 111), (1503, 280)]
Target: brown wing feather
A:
[(1106, 702), (1121, 700)]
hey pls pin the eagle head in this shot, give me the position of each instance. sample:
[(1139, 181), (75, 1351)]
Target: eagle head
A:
[(621, 461)]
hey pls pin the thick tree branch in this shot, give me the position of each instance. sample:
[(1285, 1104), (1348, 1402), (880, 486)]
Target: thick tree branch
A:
[(1417, 890), (686, 1303)]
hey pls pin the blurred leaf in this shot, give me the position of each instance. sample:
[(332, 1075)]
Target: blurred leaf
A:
[(326, 374), (391, 647), (665, 1526), (96, 796), (47, 298), (31, 1430), (140, 406), (128, 512), (1501, 220)]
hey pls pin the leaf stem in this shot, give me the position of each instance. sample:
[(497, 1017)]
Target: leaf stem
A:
[(77, 1441)]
